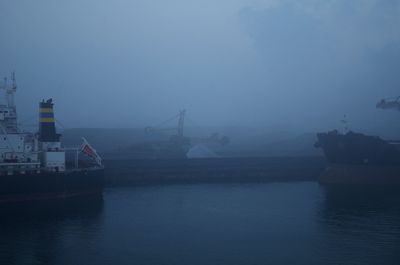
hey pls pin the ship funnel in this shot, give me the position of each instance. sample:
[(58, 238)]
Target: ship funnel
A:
[(47, 127)]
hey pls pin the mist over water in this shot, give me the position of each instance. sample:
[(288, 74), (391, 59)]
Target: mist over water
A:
[(257, 78), (293, 65), (281, 223)]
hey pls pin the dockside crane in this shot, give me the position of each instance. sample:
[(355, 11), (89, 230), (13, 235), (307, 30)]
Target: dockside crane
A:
[(179, 129), (390, 103)]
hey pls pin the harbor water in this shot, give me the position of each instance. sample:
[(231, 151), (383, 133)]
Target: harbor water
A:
[(220, 223)]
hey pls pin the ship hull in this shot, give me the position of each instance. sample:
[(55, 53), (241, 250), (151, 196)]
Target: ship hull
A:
[(357, 149), (51, 186), (355, 158), (361, 174)]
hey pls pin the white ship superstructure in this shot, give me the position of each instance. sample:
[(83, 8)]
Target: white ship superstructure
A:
[(18, 150), (24, 152)]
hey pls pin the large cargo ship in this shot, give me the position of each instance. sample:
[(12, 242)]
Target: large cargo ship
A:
[(34, 166), (359, 158)]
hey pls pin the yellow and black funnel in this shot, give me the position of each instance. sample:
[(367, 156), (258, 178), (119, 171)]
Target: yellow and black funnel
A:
[(47, 127)]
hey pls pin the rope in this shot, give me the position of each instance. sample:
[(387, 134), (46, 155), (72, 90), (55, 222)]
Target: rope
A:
[(28, 119), (60, 124), (166, 121), (188, 119)]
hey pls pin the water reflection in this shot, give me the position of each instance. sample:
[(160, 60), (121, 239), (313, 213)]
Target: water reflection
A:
[(36, 233), (235, 224), (360, 224)]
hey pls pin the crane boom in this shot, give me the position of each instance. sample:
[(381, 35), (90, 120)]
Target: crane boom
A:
[(389, 104), (179, 128)]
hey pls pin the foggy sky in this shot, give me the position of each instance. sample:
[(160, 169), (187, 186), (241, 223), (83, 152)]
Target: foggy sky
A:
[(126, 63)]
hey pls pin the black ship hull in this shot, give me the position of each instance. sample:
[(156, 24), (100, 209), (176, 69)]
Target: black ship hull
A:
[(361, 174), (357, 149), (355, 158), (51, 185)]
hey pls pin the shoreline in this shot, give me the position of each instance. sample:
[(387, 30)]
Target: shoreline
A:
[(242, 169)]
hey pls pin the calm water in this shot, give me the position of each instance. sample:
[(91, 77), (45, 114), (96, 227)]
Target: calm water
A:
[(269, 223)]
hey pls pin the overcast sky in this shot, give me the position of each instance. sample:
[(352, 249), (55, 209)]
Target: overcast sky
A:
[(262, 63)]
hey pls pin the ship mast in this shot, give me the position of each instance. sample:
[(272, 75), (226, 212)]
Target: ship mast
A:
[(181, 122), (10, 92), (8, 112)]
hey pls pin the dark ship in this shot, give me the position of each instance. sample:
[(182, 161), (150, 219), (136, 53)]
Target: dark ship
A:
[(359, 158), (35, 166)]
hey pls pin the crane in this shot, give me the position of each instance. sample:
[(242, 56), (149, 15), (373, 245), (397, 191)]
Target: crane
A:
[(179, 136), (390, 103), (179, 128)]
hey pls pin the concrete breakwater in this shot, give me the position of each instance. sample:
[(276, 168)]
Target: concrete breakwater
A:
[(141, 171)]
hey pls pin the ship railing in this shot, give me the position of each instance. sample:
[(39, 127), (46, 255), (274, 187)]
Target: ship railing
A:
[(81, 163), (91, 168), (76, 151), (10, 168), (19, 163)]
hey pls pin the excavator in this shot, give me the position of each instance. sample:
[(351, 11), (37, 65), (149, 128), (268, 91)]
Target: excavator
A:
[(178, 144), (179, 137), (390, 103)]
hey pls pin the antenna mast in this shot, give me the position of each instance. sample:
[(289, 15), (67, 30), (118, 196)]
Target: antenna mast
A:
[(181, 122), (10, 90)]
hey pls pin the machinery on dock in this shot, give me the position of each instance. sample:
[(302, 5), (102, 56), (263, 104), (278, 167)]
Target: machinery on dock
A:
[(391, 103), (170, 141), (179, 143)]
